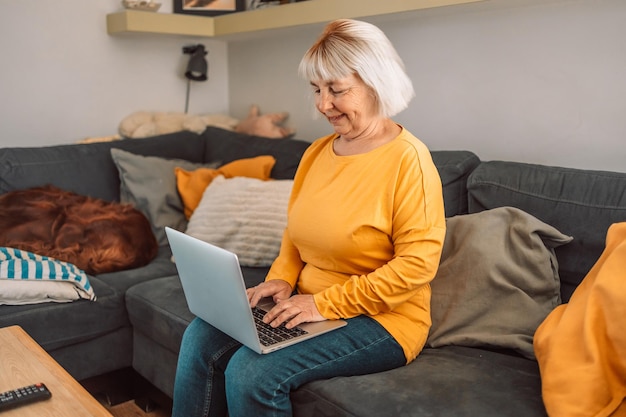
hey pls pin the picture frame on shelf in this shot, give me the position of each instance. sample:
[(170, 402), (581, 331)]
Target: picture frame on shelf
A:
[(208, 7)]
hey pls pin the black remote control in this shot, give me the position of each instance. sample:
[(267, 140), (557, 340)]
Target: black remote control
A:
[(24, 395)]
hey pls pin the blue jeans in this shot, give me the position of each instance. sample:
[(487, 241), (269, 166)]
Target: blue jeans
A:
[(216, 376)]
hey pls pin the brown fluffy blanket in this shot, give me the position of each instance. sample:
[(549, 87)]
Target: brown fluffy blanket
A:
[(95, 235)]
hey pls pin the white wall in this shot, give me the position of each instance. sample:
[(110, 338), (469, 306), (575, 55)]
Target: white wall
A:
[(63, 78), (525, 80)]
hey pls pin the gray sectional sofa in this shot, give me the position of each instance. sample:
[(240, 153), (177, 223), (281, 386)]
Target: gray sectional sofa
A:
[(139, 316)]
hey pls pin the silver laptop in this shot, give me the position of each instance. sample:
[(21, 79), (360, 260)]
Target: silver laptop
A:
[(215, 292)]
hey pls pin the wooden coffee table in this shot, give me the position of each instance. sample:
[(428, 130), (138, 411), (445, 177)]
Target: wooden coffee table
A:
[(23, 362)]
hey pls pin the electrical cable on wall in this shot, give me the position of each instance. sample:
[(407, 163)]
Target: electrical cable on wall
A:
[(197, 67)]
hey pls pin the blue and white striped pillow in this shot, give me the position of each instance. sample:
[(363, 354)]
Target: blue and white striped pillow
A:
[(20, 269)]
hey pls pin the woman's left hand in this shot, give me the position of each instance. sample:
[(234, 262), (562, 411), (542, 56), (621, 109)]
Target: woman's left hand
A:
[(293, 311), (277, 289)]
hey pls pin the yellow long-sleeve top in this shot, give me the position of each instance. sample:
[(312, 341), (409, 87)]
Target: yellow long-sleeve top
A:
[(364, 235)]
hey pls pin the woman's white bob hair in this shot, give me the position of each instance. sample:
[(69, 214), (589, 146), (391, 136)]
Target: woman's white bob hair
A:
[(355, 47)]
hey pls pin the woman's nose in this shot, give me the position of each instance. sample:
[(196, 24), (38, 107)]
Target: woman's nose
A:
[(324, 102)]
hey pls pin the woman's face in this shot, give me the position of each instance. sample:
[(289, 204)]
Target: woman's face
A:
[(348, 104)]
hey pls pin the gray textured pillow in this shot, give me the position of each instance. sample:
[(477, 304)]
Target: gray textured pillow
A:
[(497, 280), (149, 184)]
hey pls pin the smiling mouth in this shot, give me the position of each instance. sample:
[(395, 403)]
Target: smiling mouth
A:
[(334, 119)]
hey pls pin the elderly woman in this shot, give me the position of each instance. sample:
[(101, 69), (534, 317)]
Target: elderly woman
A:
[(363, 241)]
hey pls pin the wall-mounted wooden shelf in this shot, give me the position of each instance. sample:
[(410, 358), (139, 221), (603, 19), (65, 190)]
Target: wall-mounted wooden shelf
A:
[(284, 16)]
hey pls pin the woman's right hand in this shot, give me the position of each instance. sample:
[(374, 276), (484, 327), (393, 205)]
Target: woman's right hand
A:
[(276, 288)]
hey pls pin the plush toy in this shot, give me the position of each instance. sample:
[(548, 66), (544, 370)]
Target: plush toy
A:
[(143, 124), (268, 125)]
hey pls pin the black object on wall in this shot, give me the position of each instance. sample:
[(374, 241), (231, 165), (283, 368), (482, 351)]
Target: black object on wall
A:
[(197, 67)]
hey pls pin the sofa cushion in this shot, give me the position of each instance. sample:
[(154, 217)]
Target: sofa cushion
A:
[(158, 309), (497, 281), (226, 146), (447, 381), (149, 184), (246, 216), (161, 266), (87, 169), (579, 203), (454, 167), (56, 325)]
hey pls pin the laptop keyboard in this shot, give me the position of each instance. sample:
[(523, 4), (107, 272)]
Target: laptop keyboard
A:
[(270, 335)]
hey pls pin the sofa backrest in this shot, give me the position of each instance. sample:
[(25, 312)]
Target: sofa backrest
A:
[(226, 146), (579, 203), (88, 169), (454, 168)]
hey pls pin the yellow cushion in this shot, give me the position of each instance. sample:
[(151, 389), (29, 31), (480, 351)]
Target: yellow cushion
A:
[(580, 345), (191, 184)]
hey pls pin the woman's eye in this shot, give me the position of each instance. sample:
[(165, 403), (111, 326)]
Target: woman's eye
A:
[(331, 91)]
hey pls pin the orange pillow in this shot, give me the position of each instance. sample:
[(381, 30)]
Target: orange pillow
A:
[(191, 184)]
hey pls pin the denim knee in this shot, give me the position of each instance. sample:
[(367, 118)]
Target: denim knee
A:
[(253, 386), (199, 387)]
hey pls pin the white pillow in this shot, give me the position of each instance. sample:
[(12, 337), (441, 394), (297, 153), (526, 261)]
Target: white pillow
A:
[(13, 292), (28, 278), (246, 216)]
